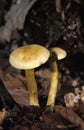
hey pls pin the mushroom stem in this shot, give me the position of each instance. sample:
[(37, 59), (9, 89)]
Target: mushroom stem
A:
[(32, 87), (53, 85)]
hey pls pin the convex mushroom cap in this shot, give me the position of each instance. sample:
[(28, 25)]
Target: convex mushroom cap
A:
[(60, 53), (29, 56)]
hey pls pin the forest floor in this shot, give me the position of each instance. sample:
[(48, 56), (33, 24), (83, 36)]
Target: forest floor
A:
[(46, 27)]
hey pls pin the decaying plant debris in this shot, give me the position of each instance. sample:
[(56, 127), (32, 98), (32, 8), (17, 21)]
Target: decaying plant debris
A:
[(51, 24), (15, 19)]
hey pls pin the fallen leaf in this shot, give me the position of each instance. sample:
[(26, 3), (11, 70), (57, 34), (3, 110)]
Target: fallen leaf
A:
[(16, 86), (70, 115)]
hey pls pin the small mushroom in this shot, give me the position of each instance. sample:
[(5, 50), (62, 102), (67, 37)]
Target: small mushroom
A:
[(60, 54), (29, 57)]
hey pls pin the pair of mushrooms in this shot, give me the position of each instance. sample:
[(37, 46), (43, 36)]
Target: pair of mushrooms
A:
[(31, 56)]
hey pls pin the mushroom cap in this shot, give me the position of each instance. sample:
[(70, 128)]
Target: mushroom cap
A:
[(29, 56), (60, 53)]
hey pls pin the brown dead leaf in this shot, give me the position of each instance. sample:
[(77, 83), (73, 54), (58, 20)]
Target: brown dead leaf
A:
[(16, 86), (44, 77), (70, 115), (80, 109)]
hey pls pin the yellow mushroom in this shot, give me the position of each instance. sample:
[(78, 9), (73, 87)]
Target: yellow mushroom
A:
[(29, 57), (60, 54)]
